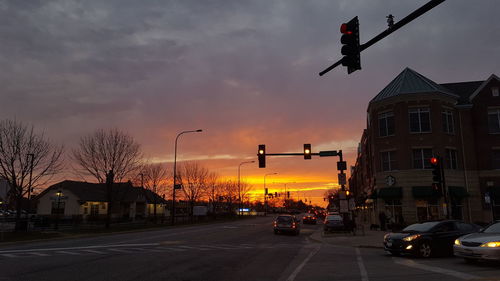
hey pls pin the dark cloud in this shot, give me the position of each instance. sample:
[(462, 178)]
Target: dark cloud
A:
[(245, 71)]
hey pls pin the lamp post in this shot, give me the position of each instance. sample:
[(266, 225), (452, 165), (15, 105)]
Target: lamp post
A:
[(265, 194), (239, 184), (58, 194), (175, 171)]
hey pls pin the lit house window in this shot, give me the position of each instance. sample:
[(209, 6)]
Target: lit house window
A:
[(386, 124), (421, 158), (448, 126), (420, 120), (494, 121), (451, 159), (388, 160)]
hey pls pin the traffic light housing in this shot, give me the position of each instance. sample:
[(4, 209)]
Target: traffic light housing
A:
[(307, 151), (261, 154), (436, 170), (288, 194), (350, 45)]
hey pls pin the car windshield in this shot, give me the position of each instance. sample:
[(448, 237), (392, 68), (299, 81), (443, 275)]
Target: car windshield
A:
[(284, 219), (334, 218), (421, 227), (494, 228)]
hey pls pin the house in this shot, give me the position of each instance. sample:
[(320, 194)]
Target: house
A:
[(413, 119), (89, 200)]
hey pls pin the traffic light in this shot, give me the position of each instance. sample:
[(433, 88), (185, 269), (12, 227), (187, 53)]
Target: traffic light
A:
[(276, 194), (307, 151), (266, 191), (350, 45), (261, 153), (288, 194), (436, 170)]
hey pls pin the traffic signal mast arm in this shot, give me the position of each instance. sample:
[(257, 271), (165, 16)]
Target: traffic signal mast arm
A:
[(415, 14)]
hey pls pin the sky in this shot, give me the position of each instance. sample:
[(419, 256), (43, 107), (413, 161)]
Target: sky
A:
[(246, 72)]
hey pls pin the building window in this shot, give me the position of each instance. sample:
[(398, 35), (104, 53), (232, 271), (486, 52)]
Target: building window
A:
[(386, 124), (388, 160), (57, 207), (495, 157), (494, 91), (494, 121), (448, 126), (421, 158), (420, 120), (451, 159)]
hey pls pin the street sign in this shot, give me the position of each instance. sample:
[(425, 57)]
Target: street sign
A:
[(344, 206), (342, 194), (341, 165), (327, 153), (342, 179)]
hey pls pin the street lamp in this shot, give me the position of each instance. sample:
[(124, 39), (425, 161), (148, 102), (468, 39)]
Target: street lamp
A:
[(265, 194), (239, 184), (175, 171), (58, 194)]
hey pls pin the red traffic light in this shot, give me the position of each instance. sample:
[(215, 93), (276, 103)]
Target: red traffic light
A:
[(344, 29), (434, 160)]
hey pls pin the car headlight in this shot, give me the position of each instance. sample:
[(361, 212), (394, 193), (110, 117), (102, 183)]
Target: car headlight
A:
[(457, 242), (411, 237), (386, 237), (493, 244)]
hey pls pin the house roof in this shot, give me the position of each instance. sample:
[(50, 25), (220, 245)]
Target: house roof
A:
[(123, 191), (463, 89), (411, 82)]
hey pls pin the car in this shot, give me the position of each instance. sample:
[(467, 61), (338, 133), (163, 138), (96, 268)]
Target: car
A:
[(333, 222), (428, 238), (286, 224), (484, 245), (309, 219)]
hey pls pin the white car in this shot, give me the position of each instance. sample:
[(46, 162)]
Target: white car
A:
[(483, 245)]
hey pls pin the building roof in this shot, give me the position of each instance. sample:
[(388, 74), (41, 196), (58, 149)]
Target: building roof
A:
[(411, 82), (463, 89), (96, 192)]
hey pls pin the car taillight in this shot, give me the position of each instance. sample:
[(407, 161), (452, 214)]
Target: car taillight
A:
[(293, 225), (314, 218), (275, 224)]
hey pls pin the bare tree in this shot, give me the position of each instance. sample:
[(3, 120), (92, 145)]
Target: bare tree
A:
[(108, 156), (230, 191), (214, 191), (193, 178), (155, 177), (26, 158)]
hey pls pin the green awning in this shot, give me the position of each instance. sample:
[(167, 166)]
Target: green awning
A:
[(390, 193), (458, 192), (424, 192)]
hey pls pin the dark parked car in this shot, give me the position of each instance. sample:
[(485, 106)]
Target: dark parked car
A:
[(286, 223), (428, 238), (484, 245), (333, 222), (309, 219)]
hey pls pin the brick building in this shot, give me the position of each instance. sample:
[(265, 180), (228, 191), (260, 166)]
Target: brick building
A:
[(413, 119)]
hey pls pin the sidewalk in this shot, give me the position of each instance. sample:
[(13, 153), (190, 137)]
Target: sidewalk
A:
[(362, 239)]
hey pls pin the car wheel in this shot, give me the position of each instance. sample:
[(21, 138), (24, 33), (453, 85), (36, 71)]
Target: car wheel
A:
[(424, 250)]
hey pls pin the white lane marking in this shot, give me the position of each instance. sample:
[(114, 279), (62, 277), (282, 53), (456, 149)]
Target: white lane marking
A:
[(120, 251), (457, 274), (78, 248), (9, 255), (68, 253), (39, 254), (94, 252), (361, 265), (299, 268)]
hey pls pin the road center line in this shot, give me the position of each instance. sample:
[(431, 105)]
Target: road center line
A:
[(299, 268), (457, 274), (362, 269)]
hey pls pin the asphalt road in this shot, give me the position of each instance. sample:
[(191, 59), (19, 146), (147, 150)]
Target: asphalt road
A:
[(243, 250)]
